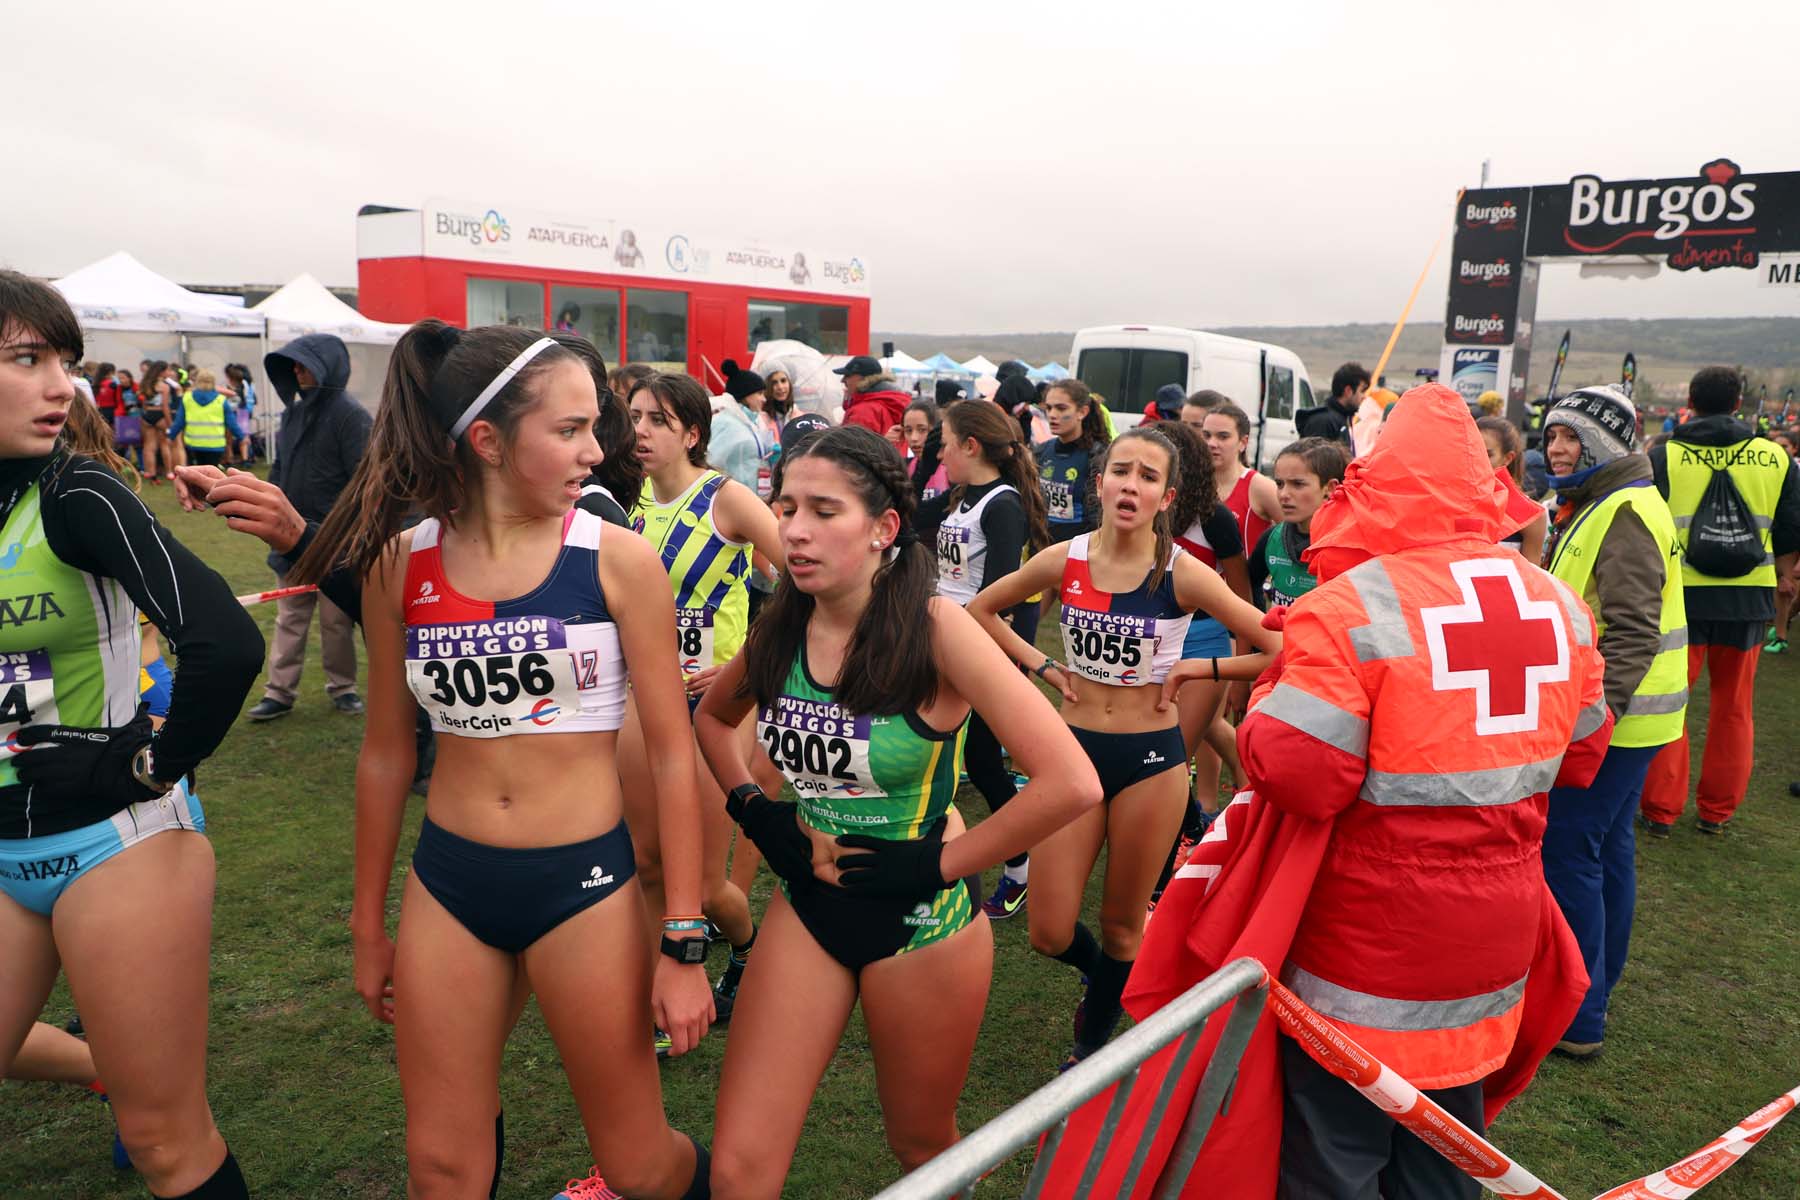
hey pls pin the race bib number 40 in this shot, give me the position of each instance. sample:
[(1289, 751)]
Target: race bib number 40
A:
[(491, 678), (821, 748), (694, 639), (1109, 647), (27, 693), (953, 551)]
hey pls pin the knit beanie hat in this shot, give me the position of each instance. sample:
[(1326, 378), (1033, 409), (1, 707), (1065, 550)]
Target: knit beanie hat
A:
[(1603, 419), (740, 383)]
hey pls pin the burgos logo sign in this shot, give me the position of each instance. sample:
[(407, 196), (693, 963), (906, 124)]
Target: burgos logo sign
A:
[(846, 272), (490, 228)]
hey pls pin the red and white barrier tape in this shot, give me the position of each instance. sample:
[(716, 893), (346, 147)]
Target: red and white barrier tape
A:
[(1473, 1154), (275, 594)]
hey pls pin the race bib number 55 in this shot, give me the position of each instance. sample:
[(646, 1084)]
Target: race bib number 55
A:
[(1109, 647), (491, 678), (822, 749)]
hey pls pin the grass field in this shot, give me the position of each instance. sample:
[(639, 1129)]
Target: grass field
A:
[(1705, 1025)]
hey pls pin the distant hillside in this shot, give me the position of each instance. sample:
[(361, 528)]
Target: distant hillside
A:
[(1668, 351)]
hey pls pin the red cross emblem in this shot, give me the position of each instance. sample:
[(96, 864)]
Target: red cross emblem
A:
[(1499, 643)]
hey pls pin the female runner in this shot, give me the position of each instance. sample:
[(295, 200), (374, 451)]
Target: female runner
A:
[(1506, 451), (861, 680), (992, 516), (703, 526), (1306, 473), (1126, 598), (500, 613), (1209, 532), (1065, 461), (94, 817), (1251, 497)]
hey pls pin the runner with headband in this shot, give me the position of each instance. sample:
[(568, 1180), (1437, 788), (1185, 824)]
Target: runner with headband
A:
[(703, 527), (861, 681), (94, 814), (500, 614), (1127, 594)]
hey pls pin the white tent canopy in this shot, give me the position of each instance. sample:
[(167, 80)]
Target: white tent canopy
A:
[(120, 293), (306, 306), (979, 365), (902, 363)]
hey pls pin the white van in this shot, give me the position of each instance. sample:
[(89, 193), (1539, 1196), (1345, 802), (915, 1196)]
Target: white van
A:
[(1127, 363)]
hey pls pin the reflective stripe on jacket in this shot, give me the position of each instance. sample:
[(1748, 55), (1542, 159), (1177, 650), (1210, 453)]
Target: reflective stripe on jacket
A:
[(1427, 700), (204, 423), (1654, 714)]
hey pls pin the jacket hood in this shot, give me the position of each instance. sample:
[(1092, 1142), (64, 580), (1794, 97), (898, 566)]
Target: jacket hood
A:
[(323, 354), (1717, 429), (1607, 477), (889, 399), (1427, 482), (205, 395)]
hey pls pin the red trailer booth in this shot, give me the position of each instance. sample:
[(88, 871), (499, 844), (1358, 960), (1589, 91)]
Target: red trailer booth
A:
[(642, 293)]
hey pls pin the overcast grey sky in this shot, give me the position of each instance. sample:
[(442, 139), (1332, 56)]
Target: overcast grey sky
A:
[(1000, 166)]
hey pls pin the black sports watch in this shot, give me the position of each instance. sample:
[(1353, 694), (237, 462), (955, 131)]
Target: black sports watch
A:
[(686, 951)]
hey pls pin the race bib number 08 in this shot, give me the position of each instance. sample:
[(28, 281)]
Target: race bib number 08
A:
[(694, 639), (27, 693), (822, 749), (491, 678), (1109, 647)]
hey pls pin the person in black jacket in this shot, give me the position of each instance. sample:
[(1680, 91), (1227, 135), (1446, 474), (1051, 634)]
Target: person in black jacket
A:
[(323, 433), (1331, 420)]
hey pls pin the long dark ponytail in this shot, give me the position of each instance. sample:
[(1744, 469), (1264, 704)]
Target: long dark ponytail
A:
[(888, 667), (412, 463), (1005, 448), (1094, 433)]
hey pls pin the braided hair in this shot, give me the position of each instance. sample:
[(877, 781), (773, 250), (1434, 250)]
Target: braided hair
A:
[(888, 667)]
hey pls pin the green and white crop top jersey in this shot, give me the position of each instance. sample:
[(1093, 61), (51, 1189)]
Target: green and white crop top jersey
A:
[(79, 557), (70, 653), (886, 776)]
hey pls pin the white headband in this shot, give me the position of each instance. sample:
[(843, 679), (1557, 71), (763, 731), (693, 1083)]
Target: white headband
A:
[(501, 380)]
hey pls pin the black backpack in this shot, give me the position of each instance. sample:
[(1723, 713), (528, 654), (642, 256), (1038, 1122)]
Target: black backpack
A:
[(1722, 538)]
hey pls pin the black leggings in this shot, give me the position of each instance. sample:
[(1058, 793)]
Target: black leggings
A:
[(983, 756)]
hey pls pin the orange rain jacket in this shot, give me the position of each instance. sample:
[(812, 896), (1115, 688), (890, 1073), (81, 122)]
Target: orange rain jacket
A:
[(1433, 688)]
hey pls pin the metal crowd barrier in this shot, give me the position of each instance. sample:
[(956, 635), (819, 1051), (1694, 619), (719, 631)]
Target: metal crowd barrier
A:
[(955, 1172)]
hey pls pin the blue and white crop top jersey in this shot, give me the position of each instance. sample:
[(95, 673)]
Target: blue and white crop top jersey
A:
[(1128, 639), (545, 662)]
